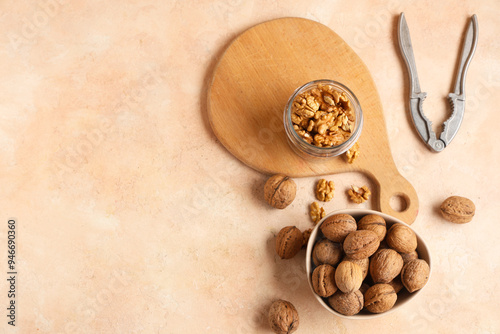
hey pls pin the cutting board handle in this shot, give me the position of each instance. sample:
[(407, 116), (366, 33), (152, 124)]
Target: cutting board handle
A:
[(396, 190)]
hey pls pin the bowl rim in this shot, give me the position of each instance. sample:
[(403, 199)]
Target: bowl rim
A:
[(422, 247)]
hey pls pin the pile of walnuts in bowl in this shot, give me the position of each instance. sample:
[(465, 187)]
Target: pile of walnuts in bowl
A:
[(365, 266)]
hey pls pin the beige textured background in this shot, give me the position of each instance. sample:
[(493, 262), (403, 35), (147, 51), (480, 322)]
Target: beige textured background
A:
[(132, 218)]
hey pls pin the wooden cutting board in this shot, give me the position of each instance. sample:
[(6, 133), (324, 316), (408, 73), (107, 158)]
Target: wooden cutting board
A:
[(251, 85)]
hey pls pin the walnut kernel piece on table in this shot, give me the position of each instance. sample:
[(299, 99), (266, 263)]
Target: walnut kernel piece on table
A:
[(352, 153), (316, 212), (359, 195), (325, 190), (305, 236), (322, 116)]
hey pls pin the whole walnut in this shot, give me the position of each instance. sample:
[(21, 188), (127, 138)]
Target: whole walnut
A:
[(279, 191), (283, 317), (305, 236), (348, 276), (409, 256), (364, 264), (326, 251), (415, 275), (383, 244), (380, 298), (385, 265), (289, 242), (364, 287), (401, 238), (373, 223), (457, 209), (347, 303), (396, 284), (361, 244), (323, 280), (337, 227)]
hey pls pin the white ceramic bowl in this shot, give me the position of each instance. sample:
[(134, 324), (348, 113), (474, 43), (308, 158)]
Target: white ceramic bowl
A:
[(403, 296)]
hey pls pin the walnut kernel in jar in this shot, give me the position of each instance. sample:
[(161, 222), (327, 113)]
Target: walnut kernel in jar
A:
[(323, 116), (322, 119)]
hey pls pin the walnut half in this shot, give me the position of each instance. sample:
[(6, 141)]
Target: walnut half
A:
[(359, 195), (352, 153), (324, 190), (317, 213)]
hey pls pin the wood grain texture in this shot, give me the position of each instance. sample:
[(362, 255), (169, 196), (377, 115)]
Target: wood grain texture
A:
[(251, 85)]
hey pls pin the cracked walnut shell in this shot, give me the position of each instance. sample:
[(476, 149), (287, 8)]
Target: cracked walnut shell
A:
[(283, 317), (279, 191)]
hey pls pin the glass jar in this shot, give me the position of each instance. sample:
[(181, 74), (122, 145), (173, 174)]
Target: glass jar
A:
[(302, 147)]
